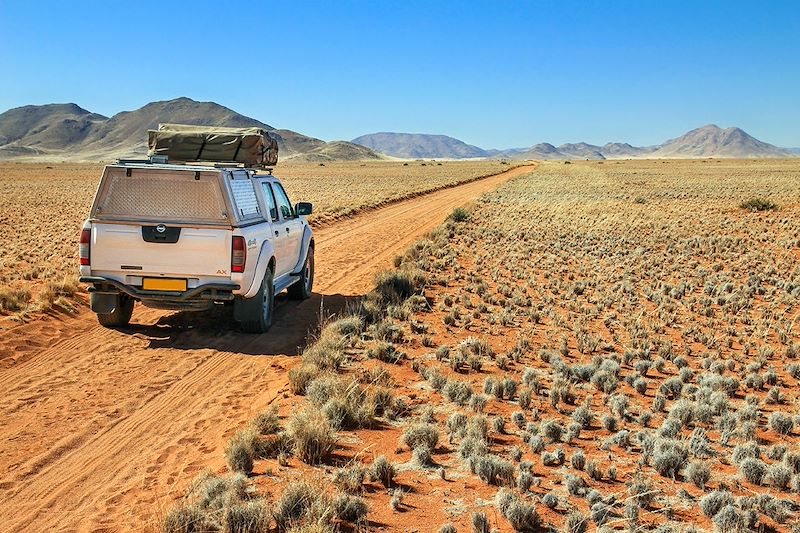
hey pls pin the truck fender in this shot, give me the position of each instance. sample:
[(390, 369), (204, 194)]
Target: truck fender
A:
[(264, 257), (308, 238)]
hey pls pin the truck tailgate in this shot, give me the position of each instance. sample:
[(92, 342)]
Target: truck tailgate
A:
[(197, 252)]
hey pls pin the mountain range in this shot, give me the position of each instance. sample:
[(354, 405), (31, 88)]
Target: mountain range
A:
[(71, 133), (419, 146), (706, 141)]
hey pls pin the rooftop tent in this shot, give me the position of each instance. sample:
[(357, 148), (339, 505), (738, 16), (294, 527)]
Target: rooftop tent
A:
[(253, 147)]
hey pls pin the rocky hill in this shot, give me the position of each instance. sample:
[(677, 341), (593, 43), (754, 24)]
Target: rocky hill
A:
[(33, 130), (69, 132), (713, 141), (623, 151), (338, 151), (420, 146)]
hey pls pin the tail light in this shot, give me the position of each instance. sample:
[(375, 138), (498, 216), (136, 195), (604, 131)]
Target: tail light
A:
[(83, 248), (238, 255)]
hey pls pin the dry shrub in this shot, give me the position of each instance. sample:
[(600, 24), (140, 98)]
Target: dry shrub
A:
[(312, 435), (307, 507), (247, 517), (350, 508), (267, 422), (350, 479), (242, 450), (301, 503), (521, 515), (382, 470), (55, 290), (215, 503), (327, 352), (13, 300), (395, 286), (344, 402), (300, 376), (423, 434)]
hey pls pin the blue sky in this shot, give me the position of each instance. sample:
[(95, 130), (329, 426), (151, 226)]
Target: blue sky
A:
[(493, 73)]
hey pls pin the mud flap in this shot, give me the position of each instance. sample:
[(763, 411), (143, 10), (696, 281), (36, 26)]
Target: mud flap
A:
[(246, 308), (103, 304)]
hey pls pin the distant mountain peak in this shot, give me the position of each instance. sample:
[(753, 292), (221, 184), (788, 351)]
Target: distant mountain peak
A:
[(712, 141), (419, 146), (545, 146)]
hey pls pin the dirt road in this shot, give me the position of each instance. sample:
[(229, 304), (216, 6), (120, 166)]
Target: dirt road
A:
[(101, 429)]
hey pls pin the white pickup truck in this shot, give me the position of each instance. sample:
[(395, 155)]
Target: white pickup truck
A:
[(187, 237)]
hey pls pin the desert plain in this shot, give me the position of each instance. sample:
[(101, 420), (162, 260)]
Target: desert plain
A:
[(593, 345)]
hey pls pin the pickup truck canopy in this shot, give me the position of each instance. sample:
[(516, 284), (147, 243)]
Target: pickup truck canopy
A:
[(254, 147)]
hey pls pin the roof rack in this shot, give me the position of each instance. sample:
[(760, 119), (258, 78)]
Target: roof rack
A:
[(152, 160), (164, 160), (227, 164), (133, 162)]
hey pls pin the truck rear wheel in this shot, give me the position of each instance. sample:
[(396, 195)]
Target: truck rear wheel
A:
[(301, 290), (120, 316), (256, 312)]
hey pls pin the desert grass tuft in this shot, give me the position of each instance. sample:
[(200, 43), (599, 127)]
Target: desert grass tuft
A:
[(312, 436)]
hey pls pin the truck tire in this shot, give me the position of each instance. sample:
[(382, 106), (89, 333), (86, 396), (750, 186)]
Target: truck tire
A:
[(259, 308), (120, 316), (301, 290)]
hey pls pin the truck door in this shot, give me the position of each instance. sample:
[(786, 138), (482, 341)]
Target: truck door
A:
[(278, 235), (293, 226)]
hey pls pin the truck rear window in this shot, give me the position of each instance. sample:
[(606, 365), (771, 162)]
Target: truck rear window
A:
[(161, 196), (244, 196)]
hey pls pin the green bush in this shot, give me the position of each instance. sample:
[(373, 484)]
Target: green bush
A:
[(459, 214), (759, 204), (395, 286)]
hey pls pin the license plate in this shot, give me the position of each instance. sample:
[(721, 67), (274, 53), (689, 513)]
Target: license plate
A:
[(162, 284)]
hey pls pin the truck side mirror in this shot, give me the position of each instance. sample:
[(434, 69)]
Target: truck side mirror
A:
[(303, 208)]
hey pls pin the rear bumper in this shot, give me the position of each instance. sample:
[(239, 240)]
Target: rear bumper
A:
[(209, 291)]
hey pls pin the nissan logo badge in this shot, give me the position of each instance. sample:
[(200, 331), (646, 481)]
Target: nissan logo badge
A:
[(161, 228)]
